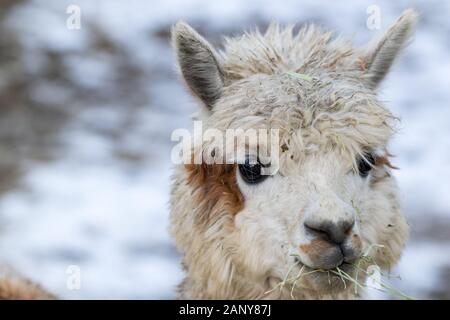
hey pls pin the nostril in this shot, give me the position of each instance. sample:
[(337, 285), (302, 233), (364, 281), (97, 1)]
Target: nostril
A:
[(318, 229), (334, 231), (315, 229)]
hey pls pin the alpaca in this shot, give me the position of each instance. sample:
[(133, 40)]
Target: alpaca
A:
[(14, 287), (333, 199)]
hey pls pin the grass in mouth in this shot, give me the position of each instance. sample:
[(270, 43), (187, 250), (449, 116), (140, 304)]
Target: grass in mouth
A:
[(365, 259)]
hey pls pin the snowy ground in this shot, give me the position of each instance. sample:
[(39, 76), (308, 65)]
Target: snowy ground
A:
[(93, 193)]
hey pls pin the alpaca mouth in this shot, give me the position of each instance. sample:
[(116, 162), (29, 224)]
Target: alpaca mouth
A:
[(333, 280), (330, 281), (343, 266)]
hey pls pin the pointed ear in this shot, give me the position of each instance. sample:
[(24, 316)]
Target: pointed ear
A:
[(379, 59), (199, 63)]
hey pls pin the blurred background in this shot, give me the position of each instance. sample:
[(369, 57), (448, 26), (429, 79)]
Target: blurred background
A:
[(85, 122)]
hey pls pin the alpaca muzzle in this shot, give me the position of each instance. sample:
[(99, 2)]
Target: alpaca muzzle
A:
[(332, 244)]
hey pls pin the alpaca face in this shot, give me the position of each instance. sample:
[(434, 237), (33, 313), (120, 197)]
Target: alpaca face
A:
[(320, 214), (332, 198)]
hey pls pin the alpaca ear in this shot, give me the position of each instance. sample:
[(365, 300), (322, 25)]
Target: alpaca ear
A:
[(380, 58), (198, 62)]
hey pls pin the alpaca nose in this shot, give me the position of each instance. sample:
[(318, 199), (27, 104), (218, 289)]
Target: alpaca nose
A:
[(336, 232)]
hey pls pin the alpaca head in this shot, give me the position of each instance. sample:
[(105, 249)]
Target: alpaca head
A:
[(332, 197)]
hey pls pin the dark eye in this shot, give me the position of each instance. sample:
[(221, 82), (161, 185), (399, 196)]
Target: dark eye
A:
[(365, 165), (252, 172)]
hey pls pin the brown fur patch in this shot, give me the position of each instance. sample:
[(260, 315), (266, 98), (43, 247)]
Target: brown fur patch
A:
[(215, 189), (322, 253), (316, 245), (15, 288), (384, 161), (355, 242)]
